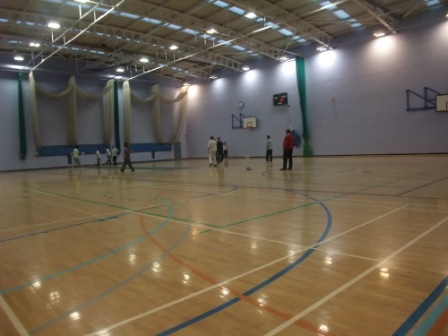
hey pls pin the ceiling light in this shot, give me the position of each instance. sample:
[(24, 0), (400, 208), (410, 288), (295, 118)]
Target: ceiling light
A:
[(34, 44), (120, 69), (260, 29), (213, 77), (211, 31), (174, 47), (81, 1), (283, 59), (322, 48), (143, 60), (379, 33), (245, 68), (251, 15), (54, 25), (19, 58)]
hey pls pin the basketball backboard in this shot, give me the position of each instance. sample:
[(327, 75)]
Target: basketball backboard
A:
[(442, 103), (249, 122)]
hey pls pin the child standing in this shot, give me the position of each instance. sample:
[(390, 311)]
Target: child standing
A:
[(98, 157)]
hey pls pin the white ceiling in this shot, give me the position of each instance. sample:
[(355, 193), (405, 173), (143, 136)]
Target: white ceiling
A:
[(103, 35)]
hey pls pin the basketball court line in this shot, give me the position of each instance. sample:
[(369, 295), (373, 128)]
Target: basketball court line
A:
[(13, 318), (172, 303), (325, 299), (434, 320)]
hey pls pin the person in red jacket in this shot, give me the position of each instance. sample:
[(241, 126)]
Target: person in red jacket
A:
[(288, 146)]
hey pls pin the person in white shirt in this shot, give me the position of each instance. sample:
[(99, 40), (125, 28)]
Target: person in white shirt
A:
[(114, 154), (98, 157), (212, 151), (108, 156), (75, 155)]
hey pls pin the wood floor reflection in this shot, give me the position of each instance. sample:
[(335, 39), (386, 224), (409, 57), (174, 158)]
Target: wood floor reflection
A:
[(336, 246)]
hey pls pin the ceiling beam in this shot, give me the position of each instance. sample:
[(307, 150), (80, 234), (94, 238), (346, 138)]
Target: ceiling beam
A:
[(367, 7), (285, 19)]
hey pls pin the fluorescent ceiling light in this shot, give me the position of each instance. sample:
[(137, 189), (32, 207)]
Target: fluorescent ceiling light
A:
[(379, 33), (213, 77), (283, 59), (322, 48), (19, 58), (251, 15), (144, 60), (34, 44), (211, 31), (54, 25), (245, 68), (81, 1), (260, 29), (120, 69), (174, 47)]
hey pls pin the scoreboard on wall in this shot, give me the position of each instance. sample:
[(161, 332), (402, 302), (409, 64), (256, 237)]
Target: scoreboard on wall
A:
[(280, 99)]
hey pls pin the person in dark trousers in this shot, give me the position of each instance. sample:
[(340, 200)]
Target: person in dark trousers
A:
[(288, 146), (109, 157), (126, 158), (269, 149), (219, 150), (226, 150)]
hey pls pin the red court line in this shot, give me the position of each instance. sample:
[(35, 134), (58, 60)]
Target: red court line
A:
[(438, 327), (285, 316)]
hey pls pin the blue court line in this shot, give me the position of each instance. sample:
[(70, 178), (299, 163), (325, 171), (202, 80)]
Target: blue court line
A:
[(113, 288), (260, 285), (274, 277), (91, 261), (421, 309), (432, 317)]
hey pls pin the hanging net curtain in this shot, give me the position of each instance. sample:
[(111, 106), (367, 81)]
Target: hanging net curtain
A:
[(72, 90), (155, 97)]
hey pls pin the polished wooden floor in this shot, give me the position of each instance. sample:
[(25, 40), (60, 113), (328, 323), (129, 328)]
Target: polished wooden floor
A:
[(336, 246)]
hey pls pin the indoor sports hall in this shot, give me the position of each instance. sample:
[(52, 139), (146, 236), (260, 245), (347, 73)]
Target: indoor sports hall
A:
[(145, 202)]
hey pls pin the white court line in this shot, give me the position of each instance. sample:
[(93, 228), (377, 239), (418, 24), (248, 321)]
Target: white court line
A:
[(223, 283), (13, 318), (316, 305)]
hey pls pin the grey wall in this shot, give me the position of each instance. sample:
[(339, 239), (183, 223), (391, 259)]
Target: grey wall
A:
[(356, 99), (356, 103)]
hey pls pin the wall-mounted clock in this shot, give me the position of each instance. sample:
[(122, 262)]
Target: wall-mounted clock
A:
[(241, 104)]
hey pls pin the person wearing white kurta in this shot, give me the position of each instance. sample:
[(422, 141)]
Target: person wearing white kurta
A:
[(212, 152)]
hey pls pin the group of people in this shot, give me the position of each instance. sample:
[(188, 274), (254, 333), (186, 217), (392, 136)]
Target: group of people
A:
[(217, 151), (288, 146), (111, 155)]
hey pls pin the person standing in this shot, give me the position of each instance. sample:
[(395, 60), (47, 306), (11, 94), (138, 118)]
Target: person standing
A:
[(226, 150), (126, 158), (269, 149), (212, 151), (75, 155), (98, 157), (219, 150), (114, 154), (108, 156), (288, 146)]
